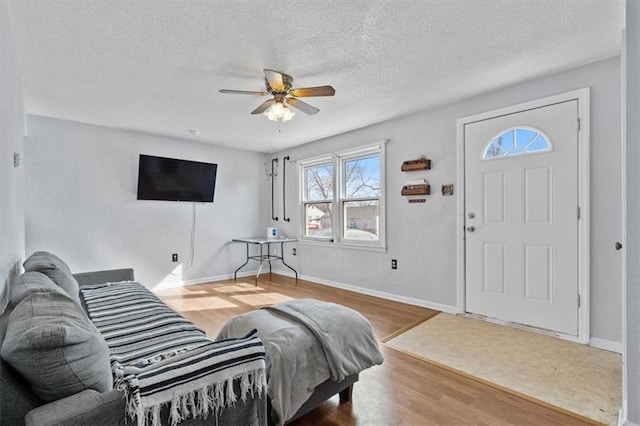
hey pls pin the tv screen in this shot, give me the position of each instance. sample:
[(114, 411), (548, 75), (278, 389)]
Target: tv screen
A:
[(172, 179)]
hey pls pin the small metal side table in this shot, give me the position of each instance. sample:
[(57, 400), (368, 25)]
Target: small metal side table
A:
[(262, 257)]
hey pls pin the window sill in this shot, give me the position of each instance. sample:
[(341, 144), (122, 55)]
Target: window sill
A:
[(343, 245)]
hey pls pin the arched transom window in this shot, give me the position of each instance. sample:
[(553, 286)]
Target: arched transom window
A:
[(517, 141)]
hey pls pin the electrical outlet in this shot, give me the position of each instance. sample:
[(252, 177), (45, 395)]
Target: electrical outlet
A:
[(174, 257), (293, 252), (394, 264)]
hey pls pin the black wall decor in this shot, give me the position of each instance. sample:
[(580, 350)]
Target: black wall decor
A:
[(274, 162), (284, 189)]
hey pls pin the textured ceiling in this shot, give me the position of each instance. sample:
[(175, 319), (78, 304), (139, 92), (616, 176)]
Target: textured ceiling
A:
[(157, 66)]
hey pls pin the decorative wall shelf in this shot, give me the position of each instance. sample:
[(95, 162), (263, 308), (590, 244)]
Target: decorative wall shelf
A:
[(421, 163), (423, 189)]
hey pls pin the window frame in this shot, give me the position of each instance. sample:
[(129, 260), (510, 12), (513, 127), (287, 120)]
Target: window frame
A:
[(319, 161), (514, 129), (338, 160)]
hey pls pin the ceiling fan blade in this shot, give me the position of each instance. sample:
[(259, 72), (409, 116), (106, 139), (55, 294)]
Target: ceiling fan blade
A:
[(263, 106), (313, 91), (242, 92), (302, 106), (275, 80)]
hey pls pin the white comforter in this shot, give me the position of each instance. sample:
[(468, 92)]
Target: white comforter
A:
[(307, 342)]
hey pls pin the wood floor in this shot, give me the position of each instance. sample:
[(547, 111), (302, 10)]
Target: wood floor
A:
[(402, 391)]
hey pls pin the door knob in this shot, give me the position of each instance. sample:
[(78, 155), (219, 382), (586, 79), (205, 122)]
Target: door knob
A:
[(471, 215), (471, 228), (618, 246)]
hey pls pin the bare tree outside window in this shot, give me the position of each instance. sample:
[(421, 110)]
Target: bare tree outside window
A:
[(361, 199), (362, 177), (319, 182), (319, 196)]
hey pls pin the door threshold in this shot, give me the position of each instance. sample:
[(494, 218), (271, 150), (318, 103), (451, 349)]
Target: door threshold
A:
[(524, 327)]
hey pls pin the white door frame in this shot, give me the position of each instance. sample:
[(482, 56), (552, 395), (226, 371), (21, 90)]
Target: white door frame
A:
[(582, 96)]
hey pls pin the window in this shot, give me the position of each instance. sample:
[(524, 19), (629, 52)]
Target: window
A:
[(319, 199), (517, 141), (343, 197)]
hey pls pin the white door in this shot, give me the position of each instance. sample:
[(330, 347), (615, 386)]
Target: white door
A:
[(521, 205)]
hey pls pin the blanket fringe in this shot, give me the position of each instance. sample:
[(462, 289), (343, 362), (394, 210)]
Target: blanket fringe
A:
[(204, 403), (175, 416), (129, 385), (231, 396), (245, 384), (212, 399)]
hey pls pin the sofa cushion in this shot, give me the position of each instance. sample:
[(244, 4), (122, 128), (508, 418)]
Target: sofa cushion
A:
[(52, 343), (16, 397), (30, 282), (56, 269)]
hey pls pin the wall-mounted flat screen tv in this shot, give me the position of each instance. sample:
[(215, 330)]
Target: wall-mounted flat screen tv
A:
[(171, 179)]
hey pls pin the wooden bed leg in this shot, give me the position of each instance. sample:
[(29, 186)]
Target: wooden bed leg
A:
[(345, 394)]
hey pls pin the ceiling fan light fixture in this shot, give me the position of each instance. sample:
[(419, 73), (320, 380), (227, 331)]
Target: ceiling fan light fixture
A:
[(279, 112), (284, 96)]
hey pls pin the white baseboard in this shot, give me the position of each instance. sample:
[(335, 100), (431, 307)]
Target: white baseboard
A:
[(375, 293), (607, 345), (622, 417), (186, 283)]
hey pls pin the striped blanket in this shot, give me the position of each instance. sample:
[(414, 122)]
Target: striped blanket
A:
[(159, 358)]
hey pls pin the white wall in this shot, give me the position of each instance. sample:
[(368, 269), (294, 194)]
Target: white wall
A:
[(632, 122), (81, 202), (422, 236), (11, 139)]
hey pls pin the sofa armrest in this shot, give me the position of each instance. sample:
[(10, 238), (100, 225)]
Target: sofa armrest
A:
[(84, 408), (108, 409), (99, 277)]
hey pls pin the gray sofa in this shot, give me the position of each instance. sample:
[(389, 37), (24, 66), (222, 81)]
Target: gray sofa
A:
[(21, 401)]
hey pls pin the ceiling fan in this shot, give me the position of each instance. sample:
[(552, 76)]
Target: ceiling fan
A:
[(279, 85)]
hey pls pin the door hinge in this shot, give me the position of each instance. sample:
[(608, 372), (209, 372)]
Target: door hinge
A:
[(579, 127), (578, 301), (578, 212)]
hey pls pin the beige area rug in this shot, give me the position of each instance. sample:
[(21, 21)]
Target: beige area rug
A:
[(571, 376)]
